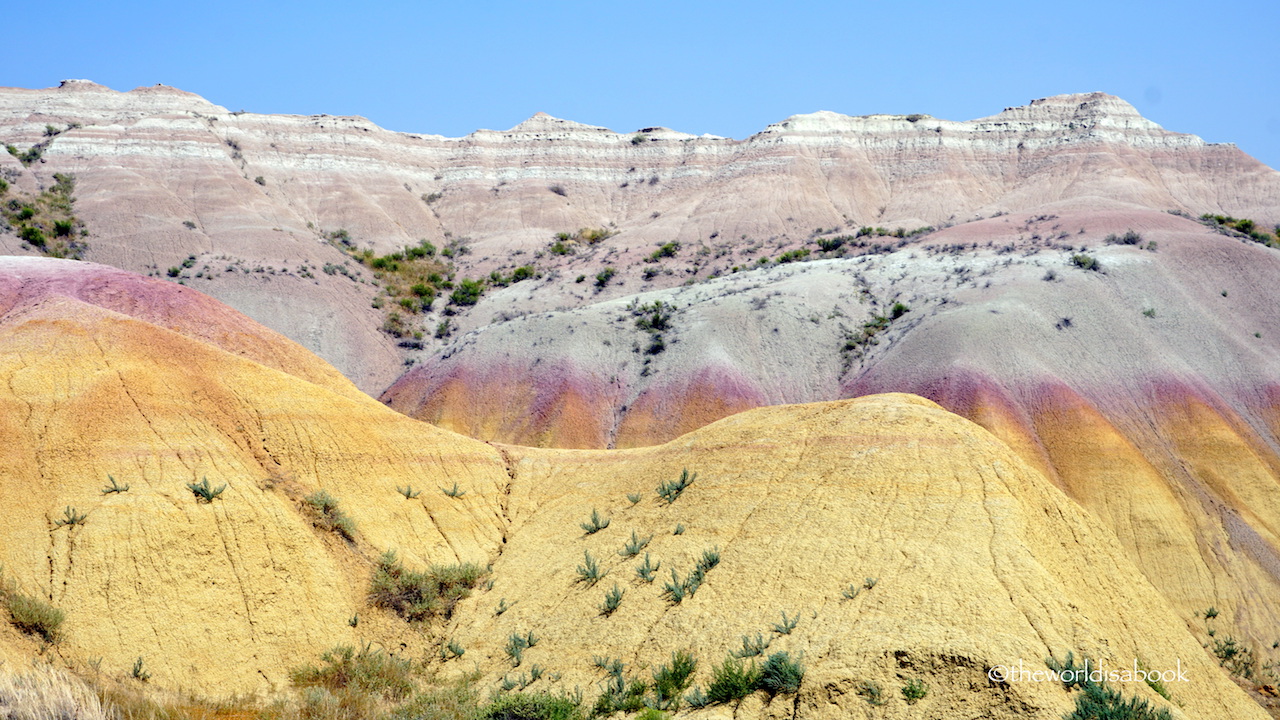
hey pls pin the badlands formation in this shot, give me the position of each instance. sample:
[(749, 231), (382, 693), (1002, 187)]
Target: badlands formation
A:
[(1089, 458)]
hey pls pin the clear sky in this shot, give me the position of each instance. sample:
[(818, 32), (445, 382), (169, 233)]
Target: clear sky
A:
[(1212, 69)]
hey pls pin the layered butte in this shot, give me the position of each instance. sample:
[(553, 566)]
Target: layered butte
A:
[(979, 560), (164, 175)]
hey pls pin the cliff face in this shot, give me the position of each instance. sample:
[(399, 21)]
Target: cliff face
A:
[(152, 159)]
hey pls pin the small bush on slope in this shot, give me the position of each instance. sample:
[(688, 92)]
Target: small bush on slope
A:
[(419, 595)]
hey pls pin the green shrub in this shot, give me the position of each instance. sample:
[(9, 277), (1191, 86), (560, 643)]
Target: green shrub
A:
[(665, 250), (531, 706), (670, 681), (634, 545), (621, 694), (114, 487), (670, 490), (467, 292), (914, 691), (751, 647), (326, 515), (417, 596), (366, 670), (646, 569), (732, 681), (139, 672), (604, 276), (516, 645), (612, 599), (872, 693), (1101, 702), (1129, 238), (32, 615), (453, 492), (788, 624), (595, 524), (71, 517), (589, 572), (33, 236), (204, 492), (781, 674), (1085, 261)]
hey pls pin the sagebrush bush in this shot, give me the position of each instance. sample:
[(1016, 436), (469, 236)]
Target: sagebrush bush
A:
[(367, 670), (34, 616), (781, 674), (670, 681), (732, 680), (326, 515), (417, 596), (531, 706)]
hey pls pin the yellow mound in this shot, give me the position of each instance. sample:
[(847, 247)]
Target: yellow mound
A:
[(979, 561)]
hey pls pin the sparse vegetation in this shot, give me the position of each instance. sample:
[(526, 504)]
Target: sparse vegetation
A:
[(1242, 228), (453, 492), (47, 222), (752, 647), (645, 570), (664, 250), (1085, 261), (634, 545), (671, 490), (1129, 238), (914, 691), (408, 492), (30, 614), (612, 599), (604, 276), (780, 674), (676, 590), (589, 571), (326, 515), (70, 517), (857, 343), (139, 672), (345, 669), (1097, 700), (204, 492), (671, 680), (787, 624), (872, 693), (595, 524), (732, 680), (417, 596), (114, 487)]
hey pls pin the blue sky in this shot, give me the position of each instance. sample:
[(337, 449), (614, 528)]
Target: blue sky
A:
[(701, 67)]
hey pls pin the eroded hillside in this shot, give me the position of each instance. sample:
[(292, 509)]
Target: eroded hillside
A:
[(891, 540)]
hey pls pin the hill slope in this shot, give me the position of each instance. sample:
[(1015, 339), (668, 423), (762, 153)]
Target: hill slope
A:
[(980, 560), (166, 178)]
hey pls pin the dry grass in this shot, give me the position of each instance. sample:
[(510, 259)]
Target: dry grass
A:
[(43, 692)]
